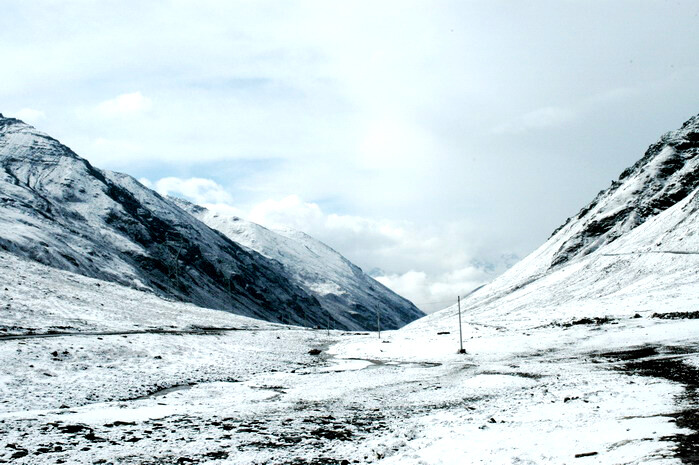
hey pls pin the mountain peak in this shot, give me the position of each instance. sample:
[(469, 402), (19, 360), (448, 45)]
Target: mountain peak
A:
[(19, 141), (691, 122)]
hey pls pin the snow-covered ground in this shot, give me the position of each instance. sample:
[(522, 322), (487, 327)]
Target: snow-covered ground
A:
[(39, 299), (521, 394)]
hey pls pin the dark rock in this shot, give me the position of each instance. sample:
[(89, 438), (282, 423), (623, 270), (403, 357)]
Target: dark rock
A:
[(333, 434), (71, 429), (677, 315), (20, 453), (590, 321), (91, 437), (122, 423)]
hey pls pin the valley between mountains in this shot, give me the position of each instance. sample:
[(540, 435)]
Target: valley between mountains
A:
[(584, 352)]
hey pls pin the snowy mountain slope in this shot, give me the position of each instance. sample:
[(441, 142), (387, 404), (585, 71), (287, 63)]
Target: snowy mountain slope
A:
[(349, 295), (645, 261), (666, 174), (59, 210), (39, 299)]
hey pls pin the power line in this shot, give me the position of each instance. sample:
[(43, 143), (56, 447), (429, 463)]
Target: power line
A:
[(450, 300)]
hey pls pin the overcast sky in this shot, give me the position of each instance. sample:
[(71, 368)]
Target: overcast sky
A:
[(432, 142)]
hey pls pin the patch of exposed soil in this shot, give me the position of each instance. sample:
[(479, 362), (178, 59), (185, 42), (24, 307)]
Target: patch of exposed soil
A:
[(667, 363), (677, 315)]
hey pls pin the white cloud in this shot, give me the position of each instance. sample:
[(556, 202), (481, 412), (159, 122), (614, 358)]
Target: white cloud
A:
[(542, 118), (198, 190), (435, 292), (429, 266), (224, 209), (289, 211), (146, 182), (30, 115), (412, 285), (125, 105)]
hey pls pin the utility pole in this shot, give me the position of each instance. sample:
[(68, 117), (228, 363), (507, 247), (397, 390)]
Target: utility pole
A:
[(461, 337), (378, 322), (328, 324)]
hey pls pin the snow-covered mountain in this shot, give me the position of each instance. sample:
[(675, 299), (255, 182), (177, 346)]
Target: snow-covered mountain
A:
[(667, 173), (57, 209), (633, 249), (350, 296)]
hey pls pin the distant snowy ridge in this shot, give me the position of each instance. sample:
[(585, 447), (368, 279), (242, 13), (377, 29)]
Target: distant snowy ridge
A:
[(351, 297), (57, 209), (634, 249)]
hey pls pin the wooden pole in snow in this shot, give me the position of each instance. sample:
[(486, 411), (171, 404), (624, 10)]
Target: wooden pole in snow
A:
[(378, 322), (461, 337)]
